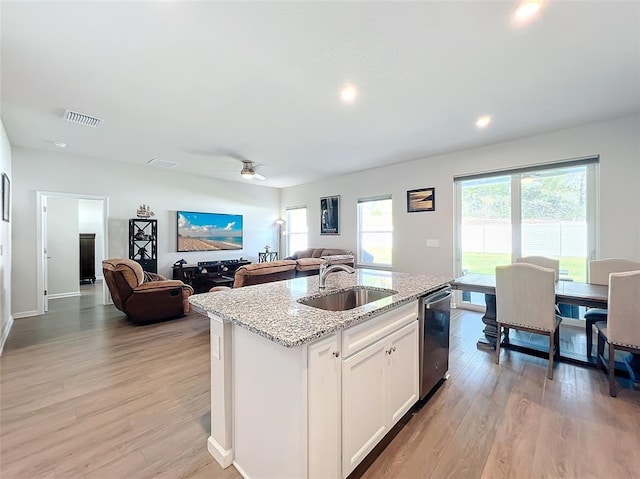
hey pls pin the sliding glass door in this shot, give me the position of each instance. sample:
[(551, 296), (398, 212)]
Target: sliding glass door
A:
[(546, 211), (555, 218)]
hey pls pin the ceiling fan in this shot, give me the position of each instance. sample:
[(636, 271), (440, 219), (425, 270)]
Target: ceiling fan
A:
[(248, 171)]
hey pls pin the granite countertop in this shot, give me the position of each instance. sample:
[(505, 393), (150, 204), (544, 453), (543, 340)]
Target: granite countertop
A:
[(272, 311)]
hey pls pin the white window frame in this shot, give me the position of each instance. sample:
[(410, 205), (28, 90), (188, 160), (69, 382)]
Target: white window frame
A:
[(289, 232), (359, 234)]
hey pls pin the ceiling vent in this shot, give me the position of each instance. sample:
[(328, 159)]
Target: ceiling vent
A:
[(80, 118), (162, 163)]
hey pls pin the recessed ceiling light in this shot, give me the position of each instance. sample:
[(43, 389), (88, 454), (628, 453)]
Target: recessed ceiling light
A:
[(349, 93), (526, 10), (59, 144), (483, 121)]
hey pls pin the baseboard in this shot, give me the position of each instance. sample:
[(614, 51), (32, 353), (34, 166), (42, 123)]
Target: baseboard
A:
[(71, 294), (240, 470), (5, 333), (25, 314), (224, 457)]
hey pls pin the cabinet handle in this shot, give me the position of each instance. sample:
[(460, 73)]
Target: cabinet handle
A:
[(336, 354), (392, 349)]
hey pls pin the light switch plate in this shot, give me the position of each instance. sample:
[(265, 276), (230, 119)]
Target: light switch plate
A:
[(433, 243)]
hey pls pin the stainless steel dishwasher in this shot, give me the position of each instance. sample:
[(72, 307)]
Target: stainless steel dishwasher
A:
[(434, 314)]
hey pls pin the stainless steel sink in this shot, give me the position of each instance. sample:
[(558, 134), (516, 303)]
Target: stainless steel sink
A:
[(347, 298)]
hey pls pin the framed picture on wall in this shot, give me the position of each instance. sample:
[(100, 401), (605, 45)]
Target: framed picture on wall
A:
[(6, 195), (423, 199), (330, 215)]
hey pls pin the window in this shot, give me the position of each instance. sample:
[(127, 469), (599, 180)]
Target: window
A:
[(297, 231), (543, 211), (375, 232)]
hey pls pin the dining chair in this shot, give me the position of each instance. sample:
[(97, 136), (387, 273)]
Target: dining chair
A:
[(525, 300), (599, 271), (543, 262), (622, 329)]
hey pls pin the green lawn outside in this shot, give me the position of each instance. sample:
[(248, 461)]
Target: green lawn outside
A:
[(380, 255), (485, 263)]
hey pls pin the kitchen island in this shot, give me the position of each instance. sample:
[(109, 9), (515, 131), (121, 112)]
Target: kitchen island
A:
[(298, 391)]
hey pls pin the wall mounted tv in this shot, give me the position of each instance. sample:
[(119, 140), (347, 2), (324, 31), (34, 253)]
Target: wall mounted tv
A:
[(208, 231)]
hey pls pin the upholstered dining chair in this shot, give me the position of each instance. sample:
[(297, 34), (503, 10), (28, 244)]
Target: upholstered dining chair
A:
[(543, 262), (599, 271), (525, 300), (622, 328)]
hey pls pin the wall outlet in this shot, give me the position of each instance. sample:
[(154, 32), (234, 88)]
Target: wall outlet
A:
[(433, 243), (215, 346)]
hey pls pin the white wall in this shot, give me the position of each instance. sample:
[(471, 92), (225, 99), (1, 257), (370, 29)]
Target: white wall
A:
[(90, 221), (62, 247), (5, 246), (128, 187), (616, 141)]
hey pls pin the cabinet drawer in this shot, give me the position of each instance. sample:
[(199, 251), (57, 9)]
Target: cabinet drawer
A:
[(362, 335)]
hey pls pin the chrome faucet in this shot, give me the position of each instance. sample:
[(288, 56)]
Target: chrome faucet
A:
[(327, 267)]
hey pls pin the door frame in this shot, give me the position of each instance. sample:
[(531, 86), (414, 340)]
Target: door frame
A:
[(41, 231)]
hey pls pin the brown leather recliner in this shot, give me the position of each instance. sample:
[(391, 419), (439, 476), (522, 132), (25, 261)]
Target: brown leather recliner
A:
[(144, 301)]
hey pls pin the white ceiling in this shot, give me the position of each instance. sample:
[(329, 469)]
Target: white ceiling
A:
[(202, 82)]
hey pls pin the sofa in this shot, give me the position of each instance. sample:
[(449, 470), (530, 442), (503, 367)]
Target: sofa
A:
[(145, 297), (308, 261), (259, 273)]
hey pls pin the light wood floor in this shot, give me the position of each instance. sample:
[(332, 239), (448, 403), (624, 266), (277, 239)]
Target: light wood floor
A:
[(84, 394)]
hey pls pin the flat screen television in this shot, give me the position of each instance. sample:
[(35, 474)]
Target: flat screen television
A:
[(208, 231)]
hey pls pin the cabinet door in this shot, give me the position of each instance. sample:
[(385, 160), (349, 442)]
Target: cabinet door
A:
[(402, 372), (363, 404), (324, 408)]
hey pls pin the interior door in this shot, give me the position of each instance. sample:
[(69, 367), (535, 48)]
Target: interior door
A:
[(45, 255)]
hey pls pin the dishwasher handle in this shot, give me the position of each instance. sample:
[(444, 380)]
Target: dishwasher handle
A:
[(438, 297)]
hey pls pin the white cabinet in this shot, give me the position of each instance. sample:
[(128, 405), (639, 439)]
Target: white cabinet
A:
[(402, 369), (379, 385), (363, 404), (323, 385), (307, 412)]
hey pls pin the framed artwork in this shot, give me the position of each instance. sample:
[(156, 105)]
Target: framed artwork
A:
[(6, 195), (423, 199), (330, 215)]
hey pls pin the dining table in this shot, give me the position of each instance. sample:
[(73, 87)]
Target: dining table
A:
[(567, 292)]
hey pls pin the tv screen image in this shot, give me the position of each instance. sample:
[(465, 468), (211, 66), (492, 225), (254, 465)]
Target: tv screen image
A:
[(208, 231)]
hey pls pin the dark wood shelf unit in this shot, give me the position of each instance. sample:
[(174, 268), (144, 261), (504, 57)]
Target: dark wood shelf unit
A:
[(88, 257), (207, 274), (143, 243)]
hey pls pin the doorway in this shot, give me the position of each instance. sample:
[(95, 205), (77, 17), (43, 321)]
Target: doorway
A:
[(61, 217)]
